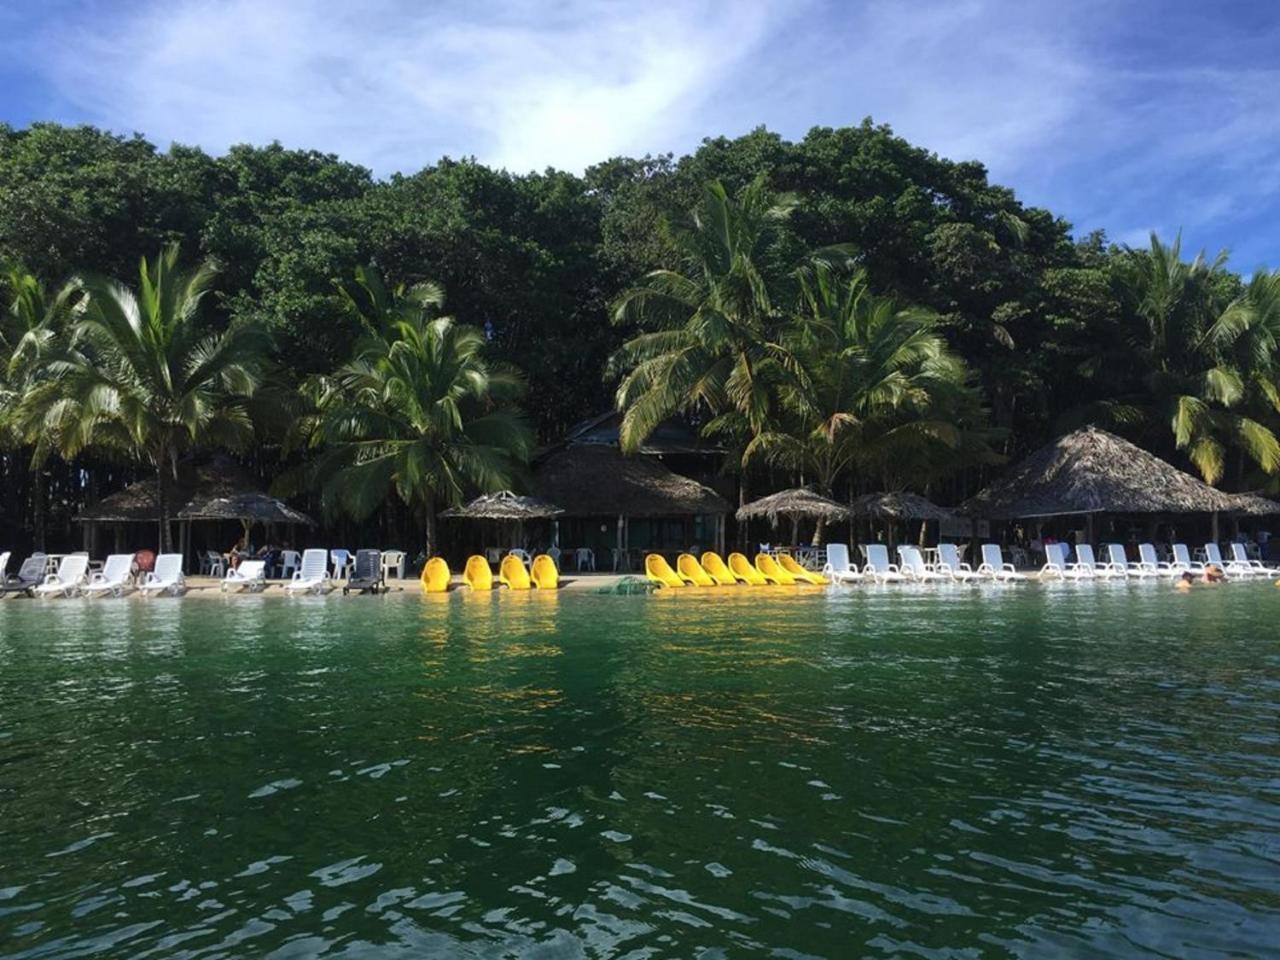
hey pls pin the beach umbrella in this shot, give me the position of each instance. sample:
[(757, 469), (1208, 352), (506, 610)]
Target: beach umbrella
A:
[(507, 507), (797, 504)]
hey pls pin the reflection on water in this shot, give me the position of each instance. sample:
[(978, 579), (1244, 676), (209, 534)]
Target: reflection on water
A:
[(1075, 769)]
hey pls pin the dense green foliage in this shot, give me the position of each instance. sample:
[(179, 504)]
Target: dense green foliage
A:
[(1045, 331)]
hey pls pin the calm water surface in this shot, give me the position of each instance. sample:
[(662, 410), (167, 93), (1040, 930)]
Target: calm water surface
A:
[(1065, 771)]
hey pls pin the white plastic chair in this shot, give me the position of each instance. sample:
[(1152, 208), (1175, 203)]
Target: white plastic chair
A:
[(343, 561), (166, 577), (251, 575), (950, 564), (838, 568), (912, 564), (1087, 563), (523, 555), (584, 558), (1147, 558), (993, 565), (878, 566), (554, 554), (1240, 558), (313, 575), (72, 575), (290, 561), (1182, 560), (392, 560), (4, 564), (115, 577)]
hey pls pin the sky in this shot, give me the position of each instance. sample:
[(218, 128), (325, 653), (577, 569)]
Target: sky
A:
[(1123, 116)]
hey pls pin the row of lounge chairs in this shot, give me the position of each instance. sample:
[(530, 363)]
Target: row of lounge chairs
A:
[(1148, 565), (73, 577), (541, 573)]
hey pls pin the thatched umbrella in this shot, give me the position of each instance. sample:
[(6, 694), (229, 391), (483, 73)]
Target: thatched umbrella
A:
[(797, 504), (1092, 471), (249, 507), (898, 506), (507, 507)]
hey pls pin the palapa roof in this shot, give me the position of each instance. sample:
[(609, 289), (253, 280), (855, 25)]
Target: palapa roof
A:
[(205, 487), (1253, 505), (251, 505), (1092, 471), (799, 502), (594, 480), (505, 505), (898, 506)]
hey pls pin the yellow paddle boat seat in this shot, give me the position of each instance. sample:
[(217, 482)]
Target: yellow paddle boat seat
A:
[(792, 566), (744, 571), (715, 566), (436, 576), (512, 573), (770, 570), (545, 576), (478, 575), (659, 571), (690, 571)]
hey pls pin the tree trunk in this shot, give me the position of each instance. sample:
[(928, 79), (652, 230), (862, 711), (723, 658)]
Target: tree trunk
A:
[(37, 509), (429, 512)]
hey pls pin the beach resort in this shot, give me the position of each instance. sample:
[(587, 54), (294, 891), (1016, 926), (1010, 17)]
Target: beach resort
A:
[(601, 544)]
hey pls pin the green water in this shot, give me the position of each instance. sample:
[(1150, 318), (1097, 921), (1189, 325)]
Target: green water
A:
[(1068, 771)]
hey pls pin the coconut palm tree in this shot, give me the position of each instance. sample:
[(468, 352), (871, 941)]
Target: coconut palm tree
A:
[(1173, 371), (142, 376), (871, 386), (708, 329), (419, 412), (32, 330)]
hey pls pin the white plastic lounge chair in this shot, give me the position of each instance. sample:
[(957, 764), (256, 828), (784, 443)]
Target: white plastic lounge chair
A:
[(950, 564), (993, 565), (114, 579), (1240, 559), (878, 566), (1213, 555), (251, 575), (1089, 566), (313, 575), (913, 565), (165, 578), (1055, 555), (838, 569), (72, 575), (1147, 558), (1120, 561), (4, 565), (1183, 562)]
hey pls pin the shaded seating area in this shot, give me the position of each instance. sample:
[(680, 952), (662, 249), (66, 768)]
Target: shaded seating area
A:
[(623, 507)]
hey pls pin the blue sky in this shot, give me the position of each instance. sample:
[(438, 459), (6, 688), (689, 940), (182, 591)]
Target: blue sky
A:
[(1124, 116)]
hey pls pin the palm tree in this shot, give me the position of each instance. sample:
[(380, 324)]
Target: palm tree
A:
[(1175, 370), (709, 328), (872, 386), (142, 377), (419, 411), (31, 331)]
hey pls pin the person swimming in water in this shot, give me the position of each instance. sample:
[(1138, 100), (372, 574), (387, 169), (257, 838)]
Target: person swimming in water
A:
[(1213, 574), (1185, 581)]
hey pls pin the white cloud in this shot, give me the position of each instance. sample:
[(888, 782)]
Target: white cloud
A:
[(394, 87)]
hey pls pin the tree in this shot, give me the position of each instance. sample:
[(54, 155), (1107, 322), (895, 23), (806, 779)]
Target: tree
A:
[(32, 329), (142, 377), (708, 342), (872, 387), (1172, 374), (419, 410)]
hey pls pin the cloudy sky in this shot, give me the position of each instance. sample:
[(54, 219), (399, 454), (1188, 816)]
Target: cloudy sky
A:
[(1129, 116)]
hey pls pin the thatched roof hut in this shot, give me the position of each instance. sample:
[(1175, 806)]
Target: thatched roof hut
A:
[(898, 506), (251, 506), (138, 502), (798, 503), (505, 505), (595, 480), (1092, 471)]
